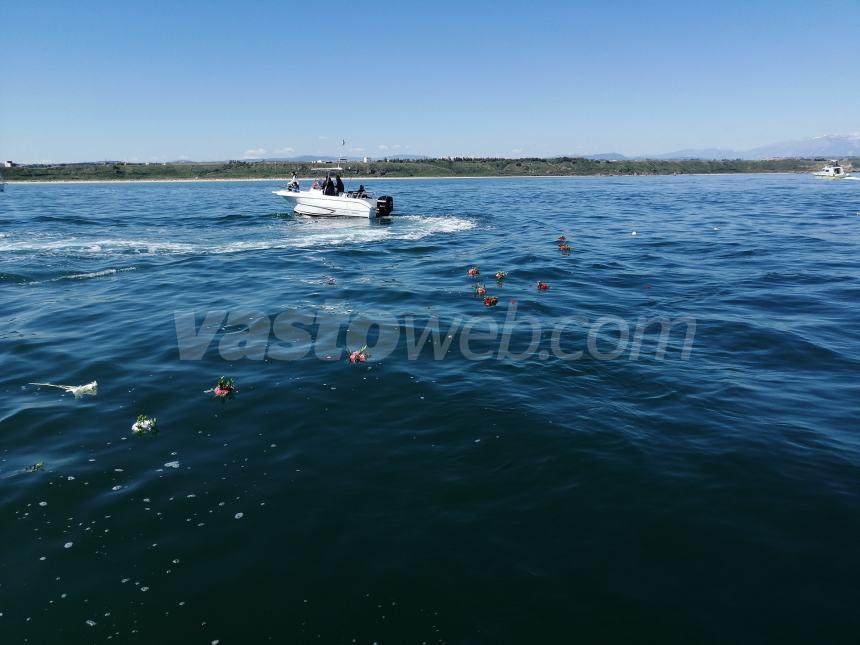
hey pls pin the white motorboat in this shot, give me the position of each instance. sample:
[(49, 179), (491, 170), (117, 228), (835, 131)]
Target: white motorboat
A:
[(322, 202), (832, 170)]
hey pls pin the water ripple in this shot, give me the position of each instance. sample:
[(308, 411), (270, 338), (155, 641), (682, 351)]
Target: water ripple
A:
[(453, 500)]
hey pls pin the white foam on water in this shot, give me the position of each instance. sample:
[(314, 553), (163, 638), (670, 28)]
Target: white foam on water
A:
[(343, 232), (298, 233), (339, 310), (87, 276), (94, 274), (74, 245), (444, 224)]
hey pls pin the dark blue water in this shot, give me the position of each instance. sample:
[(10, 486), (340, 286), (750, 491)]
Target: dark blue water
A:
[(564, 480)]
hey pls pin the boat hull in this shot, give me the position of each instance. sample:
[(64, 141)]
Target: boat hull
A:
[(315, 204)]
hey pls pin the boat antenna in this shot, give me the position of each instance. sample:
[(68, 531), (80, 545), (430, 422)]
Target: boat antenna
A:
[(343, 148)]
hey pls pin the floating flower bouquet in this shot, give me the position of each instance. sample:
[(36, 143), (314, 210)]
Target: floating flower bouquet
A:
[(491, 301), (359, 355), (90, 389), (225, 389), (480, 290), (473, 272), (542, 286), (145, 425), (564, 248)]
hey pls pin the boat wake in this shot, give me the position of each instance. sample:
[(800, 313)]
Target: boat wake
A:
[(315, 233), (298, 233), (73, 245), (93, 274)]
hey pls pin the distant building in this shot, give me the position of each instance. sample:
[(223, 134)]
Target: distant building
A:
[(367, 160), (9, 164)]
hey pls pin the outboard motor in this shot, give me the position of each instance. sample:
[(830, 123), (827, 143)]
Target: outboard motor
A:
[(384, 205)]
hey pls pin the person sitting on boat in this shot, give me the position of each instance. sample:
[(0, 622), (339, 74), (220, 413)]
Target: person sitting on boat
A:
[(328, 187), (315, 185), (338, 185), (293, 186), (360, 192)]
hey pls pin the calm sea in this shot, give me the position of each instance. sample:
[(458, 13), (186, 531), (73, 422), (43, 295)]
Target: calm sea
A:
[(661, 447)]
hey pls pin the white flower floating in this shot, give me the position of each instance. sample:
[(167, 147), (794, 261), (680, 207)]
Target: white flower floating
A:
[(144, 425), (89, 389)]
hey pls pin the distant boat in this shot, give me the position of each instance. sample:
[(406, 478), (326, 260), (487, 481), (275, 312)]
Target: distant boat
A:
[(832, 170)]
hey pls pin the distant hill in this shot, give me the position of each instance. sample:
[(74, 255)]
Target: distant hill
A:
[(299, 158), (302, 158), (607, 156), (405, 157), (701, 153), (312, 158), (832, 146)]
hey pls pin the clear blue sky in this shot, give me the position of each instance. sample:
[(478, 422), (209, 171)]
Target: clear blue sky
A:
[(209, 79)]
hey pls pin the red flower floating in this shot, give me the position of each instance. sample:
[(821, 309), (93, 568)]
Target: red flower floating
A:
[(542, 286), (225, 388), (490, 301), (501, 275), (480, 290), (562, 238), (359, 356), (473, 272), (564, 248)]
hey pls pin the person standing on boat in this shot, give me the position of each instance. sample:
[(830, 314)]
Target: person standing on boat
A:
[(338, 185), (293, 186)]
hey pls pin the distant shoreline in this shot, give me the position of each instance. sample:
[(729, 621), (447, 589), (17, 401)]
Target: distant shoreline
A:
[(368, 179), (458, 168)]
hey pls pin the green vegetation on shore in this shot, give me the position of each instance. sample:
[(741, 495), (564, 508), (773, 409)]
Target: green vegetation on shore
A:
[(456, 167)]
